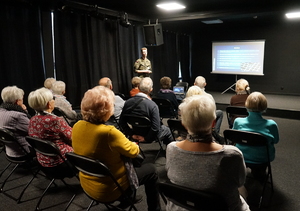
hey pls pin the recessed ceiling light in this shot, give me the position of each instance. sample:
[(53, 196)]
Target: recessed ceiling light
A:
[(171, 6), (293, 15), (212, 21)]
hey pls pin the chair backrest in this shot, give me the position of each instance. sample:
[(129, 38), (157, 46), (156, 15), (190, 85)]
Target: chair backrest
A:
[(7, 138), (140, 125), (246, 138), (58, 112), (185, 84), (190, 199), (91, 167), (233, 112), (44, 147), (166, 108), (176, 127)]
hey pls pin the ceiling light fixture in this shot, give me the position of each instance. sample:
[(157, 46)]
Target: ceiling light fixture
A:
[(213, 21), (170, 6), (293, 15)]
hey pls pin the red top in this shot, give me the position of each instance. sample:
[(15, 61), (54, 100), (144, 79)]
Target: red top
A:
[(52, 128)]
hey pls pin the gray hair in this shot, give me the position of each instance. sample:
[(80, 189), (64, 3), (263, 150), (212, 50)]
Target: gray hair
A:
[(11, 94), (198, 113), (58, 87), (48, 82), (200, 81), (193, 90), (39, 99), (146, 85)]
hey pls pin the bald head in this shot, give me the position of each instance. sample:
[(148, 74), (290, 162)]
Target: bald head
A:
[(200, 81), (106, 82)]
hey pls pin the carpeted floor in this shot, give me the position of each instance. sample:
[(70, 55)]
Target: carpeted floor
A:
[(285, 177)]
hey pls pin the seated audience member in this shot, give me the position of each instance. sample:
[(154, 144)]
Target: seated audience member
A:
[(48, 82), (242, 90), (135, 85), (256, 104), (193, 90), (59, 89), (47, 126), (201, 164), (143, 106), (201, 82), (166, 93), (119, 102), (93, 139), (15, 118)]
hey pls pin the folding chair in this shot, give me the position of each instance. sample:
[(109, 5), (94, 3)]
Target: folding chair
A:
[(253, 139), (166, 108), (48, 148), (177, 129), (7, 138), (233, 112), (141, 125), (96, 168), (190, 199)]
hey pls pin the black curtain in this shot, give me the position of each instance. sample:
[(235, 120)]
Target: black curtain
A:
[(21, 57), (184, 57), (88, 48)]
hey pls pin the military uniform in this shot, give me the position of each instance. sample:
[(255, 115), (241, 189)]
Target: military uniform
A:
[(142, 64)]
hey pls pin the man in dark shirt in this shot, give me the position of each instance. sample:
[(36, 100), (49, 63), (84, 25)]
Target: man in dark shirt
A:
[(143, 106)]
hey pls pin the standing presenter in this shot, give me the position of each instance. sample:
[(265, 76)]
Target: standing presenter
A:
[(142, 66)]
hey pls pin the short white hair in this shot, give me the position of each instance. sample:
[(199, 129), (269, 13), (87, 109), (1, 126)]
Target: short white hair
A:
[(200, 81), (48, 82), (198, 113), (39, 99), (11, 94), (193, 90), (58, 87), (146, 85)]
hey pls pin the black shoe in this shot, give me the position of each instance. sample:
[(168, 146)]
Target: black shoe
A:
[(126, 202)]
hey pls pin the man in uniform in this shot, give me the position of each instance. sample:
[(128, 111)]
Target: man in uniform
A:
[(142, 66)]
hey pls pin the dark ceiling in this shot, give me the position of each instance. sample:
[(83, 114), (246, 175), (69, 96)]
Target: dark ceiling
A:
[(229, 11), (199, 9)]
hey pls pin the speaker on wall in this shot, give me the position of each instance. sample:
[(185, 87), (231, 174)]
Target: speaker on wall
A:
[(153, 35)]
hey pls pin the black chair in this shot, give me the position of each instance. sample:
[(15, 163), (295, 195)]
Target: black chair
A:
[(184, 84), (233, 112), (62, 171), (7, 138), (166, 108), (96, 168), (140, 125), (177, 129), (253, 139), (190, 199), (58, 112)]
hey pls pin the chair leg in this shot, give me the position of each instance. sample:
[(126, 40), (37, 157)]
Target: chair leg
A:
[(160, 150), (8, 165), (21, 194), (44, 193), (90, 205), (70, 202), (12, 171)]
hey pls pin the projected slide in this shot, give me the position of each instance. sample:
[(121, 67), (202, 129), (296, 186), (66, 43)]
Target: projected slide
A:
[(238, 57)]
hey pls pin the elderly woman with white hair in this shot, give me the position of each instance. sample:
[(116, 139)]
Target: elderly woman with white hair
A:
[(14, 117), (257, 104), (198, 162), (59, 89), (47, 126), (242, 90)]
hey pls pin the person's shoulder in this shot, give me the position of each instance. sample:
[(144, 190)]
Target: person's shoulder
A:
[(232, 150)]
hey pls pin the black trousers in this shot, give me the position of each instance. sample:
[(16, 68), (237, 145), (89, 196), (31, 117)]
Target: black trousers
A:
[(148, 177)]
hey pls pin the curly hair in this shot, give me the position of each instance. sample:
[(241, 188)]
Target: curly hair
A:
[(165, 82), (97, 105)]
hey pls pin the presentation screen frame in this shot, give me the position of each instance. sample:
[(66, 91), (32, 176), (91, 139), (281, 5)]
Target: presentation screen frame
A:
[(238, 57)]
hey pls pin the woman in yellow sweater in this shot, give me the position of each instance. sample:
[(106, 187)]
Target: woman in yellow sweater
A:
[(93, 139)]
